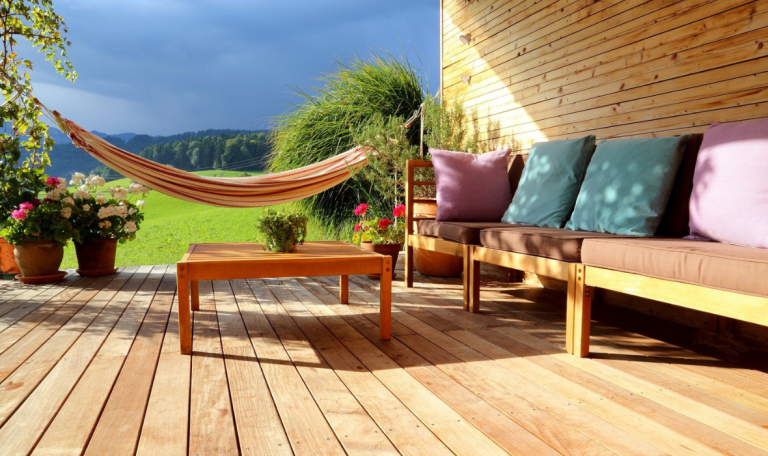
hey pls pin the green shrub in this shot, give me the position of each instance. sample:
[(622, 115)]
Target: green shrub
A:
[(323, 126)]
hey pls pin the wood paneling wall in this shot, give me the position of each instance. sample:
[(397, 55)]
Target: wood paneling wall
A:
[(555, 69)]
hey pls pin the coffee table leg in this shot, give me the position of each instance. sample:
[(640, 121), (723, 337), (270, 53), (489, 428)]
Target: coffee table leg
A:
[(385, 299), (195, 295), (344, 289), (185, 317)]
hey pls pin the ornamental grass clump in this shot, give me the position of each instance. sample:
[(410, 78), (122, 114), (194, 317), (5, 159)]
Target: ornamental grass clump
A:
[(324, 124), (282, 231)]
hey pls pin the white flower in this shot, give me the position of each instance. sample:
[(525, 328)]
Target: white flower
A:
[(62, 187), (68, 200), (119, 193), (95, 181), (86, 207), (105, 224), (82, 194), (100, 198), (66, 212), (77, 179), (130, 227), (140, 203), (106, 212), (121, 211), (53, 195), (132, 211)]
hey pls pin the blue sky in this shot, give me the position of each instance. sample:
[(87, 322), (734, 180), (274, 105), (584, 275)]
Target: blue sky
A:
[(168, 66)]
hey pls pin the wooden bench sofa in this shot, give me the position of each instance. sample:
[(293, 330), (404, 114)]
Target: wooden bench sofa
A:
[(721, 279)]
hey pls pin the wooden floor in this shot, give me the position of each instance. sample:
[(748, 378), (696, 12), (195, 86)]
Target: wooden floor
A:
[(92, 367)]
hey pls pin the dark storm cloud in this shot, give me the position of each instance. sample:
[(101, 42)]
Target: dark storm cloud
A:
[(168, 66)]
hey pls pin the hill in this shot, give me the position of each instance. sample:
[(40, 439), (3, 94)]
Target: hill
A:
[(66, 158)]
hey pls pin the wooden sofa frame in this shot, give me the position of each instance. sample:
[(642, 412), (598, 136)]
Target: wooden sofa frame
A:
[(581, 279), (579, 296)]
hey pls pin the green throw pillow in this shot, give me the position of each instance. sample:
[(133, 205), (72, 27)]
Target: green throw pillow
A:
[(627, 186), (550, 182)]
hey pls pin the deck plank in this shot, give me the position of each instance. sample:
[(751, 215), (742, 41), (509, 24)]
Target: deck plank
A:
[(70, 430), (398, 423), (280, 367), (166, 422), (256, 417), (117, 429), (33, 416), (305, 425), (211, 421)]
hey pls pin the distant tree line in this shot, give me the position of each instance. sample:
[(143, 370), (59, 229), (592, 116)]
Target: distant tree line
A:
[(241, 152)]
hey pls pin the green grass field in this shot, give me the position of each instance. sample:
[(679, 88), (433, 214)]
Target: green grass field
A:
[(170, 225)]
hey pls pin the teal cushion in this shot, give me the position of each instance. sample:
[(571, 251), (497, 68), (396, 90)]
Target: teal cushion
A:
[(627, 186), (550, 183)]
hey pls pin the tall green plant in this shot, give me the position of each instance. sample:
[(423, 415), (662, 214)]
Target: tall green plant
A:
[(36, 22), (324, 125)]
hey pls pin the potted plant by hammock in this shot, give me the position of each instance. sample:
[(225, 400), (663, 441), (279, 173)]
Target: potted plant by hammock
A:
[(280, 231), (39, 230), (380, 235), (103, 221)]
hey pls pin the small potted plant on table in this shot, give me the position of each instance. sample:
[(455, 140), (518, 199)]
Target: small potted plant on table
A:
[(39, 230), (381, 235), (281, 231), (103, 222)]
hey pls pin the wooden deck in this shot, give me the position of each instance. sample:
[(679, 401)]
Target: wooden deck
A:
[(279, 367)]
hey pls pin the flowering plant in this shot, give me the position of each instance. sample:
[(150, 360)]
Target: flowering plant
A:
[(100, 216), (380, 230), (47, 220)]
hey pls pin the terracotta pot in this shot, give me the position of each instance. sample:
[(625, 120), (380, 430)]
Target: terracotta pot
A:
[(7, 263), (437, 264), (393, 250), (38, 258), (96, 257)]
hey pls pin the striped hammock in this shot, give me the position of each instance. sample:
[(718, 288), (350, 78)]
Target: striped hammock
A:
[(252, 191)]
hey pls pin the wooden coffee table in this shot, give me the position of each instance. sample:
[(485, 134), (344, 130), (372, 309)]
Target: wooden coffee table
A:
[(249, 261)]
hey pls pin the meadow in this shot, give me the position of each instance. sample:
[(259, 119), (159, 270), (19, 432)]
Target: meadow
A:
[(170, 225)]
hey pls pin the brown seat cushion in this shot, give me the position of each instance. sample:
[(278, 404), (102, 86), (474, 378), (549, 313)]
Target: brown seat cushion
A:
[(711, 264), (463, 232), (555, 243)]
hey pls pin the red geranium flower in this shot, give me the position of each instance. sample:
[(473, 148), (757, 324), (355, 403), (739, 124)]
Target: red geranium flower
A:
[(361, 210), (384, 223), (358, 226), (399, 210), (52, 181), (36, 202)]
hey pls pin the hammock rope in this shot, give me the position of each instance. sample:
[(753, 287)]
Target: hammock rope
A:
[(251, 191)]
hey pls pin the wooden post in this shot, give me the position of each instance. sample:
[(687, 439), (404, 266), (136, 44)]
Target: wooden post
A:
[(385, 299), (195, 295), (579, 312), (473, 285), (344, 289), (408, 224), (185, 317)]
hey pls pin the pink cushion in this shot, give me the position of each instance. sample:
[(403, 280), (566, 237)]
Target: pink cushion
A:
[(729, 202), (471, 188)]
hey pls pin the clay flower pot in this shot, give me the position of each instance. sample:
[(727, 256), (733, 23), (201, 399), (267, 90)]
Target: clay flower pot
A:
[(7, 263), (39, 259), (393, 250), (96, 257)]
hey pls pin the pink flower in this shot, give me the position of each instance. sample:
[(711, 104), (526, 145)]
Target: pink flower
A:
[(399, 210), (361, 210), (358, 226), (52, 181), (384, 223), (20, 214), (26, 206)]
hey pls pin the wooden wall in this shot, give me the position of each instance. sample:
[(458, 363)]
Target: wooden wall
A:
[(554, 69)]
